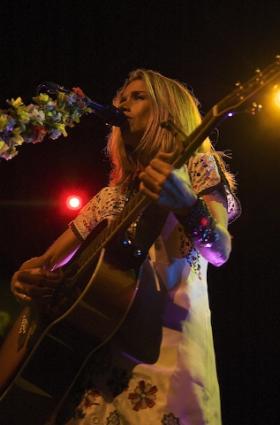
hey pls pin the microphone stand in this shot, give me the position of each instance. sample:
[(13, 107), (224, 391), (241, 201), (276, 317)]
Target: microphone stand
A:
[(108, 113)]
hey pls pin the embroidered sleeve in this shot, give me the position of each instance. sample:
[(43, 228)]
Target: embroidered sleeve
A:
[(88, 217), (106, 204), (206, 176)]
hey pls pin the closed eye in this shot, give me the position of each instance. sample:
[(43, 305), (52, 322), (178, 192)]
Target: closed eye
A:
[(136, 95), (139, 95)]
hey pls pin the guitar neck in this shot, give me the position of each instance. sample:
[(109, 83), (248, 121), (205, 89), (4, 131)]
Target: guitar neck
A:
[(139, 202), (222, 110), (197, 137)]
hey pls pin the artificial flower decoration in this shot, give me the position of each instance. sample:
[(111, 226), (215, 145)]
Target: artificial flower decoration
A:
[(31, 123)]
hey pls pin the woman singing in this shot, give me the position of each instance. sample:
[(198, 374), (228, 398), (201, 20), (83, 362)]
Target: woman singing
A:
[(180, 387)]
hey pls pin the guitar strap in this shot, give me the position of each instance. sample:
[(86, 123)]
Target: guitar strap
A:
[(149, 224), (152, 259)]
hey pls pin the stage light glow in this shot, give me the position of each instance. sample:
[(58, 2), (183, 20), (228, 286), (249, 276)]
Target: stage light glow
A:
[(269, 119), (73, 202), (277, 97)]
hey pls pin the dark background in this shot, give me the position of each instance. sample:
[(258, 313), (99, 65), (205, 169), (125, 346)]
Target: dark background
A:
[(209, 45)]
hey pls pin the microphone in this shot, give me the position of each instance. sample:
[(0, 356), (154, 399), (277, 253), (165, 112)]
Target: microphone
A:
[(108, 113)]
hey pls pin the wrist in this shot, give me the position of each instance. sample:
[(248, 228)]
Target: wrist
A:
[(200, 225), (183, 212)]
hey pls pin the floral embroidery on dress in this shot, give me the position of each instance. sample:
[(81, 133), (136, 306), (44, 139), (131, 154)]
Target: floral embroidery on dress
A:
[(89, 399), (188, 251), (205, 175), (193, 258), (204, 172), (170, 419), (144, 396), (106, 204), (109, 202), (234, 206), (185, 242), (113, 418)]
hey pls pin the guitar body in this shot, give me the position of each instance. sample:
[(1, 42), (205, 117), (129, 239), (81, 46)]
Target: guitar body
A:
[(44, 353)]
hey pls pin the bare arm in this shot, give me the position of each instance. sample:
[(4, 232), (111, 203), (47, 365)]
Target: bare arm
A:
[(172, 189), (220, 250), (36, 279)]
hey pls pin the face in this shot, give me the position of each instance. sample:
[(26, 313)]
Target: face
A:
[(136, 104)]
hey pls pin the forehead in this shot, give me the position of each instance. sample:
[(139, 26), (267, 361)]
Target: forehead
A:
[(135, 85)]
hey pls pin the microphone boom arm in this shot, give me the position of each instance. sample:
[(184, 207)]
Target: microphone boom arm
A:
[(108, 113)]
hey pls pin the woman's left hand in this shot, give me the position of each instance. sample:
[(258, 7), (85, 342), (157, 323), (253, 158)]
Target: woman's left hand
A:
[(170, 187)]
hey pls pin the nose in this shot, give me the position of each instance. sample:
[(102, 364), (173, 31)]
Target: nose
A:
[(124, 105)]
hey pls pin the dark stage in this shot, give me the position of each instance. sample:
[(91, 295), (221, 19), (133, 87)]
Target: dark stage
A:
[(210, 46)]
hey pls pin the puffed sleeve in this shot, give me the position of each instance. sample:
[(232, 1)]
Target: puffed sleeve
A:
[(207, 175), (88, 218)]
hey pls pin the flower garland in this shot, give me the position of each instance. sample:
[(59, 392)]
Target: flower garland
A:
[(31, 123)]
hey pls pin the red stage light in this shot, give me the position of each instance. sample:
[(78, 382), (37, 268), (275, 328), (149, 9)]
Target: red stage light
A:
[(73, 202)]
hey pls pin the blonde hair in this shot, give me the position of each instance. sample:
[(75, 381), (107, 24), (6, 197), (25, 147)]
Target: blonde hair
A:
[(170, 100)]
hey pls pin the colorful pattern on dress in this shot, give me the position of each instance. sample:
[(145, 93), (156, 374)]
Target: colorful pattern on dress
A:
[(186, 244), (144, 396), (147, 397), (113, 418), (203, 172), (206, 175), (193, 260), (89, 399), (170, 419)]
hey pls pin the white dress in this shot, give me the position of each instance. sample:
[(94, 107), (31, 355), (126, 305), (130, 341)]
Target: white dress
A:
[(181, 388)]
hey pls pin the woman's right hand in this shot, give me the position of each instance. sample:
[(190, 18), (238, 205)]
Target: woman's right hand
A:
[(35, 284), (35, 281)]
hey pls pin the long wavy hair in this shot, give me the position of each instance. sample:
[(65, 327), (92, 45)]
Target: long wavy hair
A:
[(171, 99)]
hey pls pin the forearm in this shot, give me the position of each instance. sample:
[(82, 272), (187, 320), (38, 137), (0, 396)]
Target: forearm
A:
[(219, 251), (206, 224), (36, 278), (57, 254), (204, 219)]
